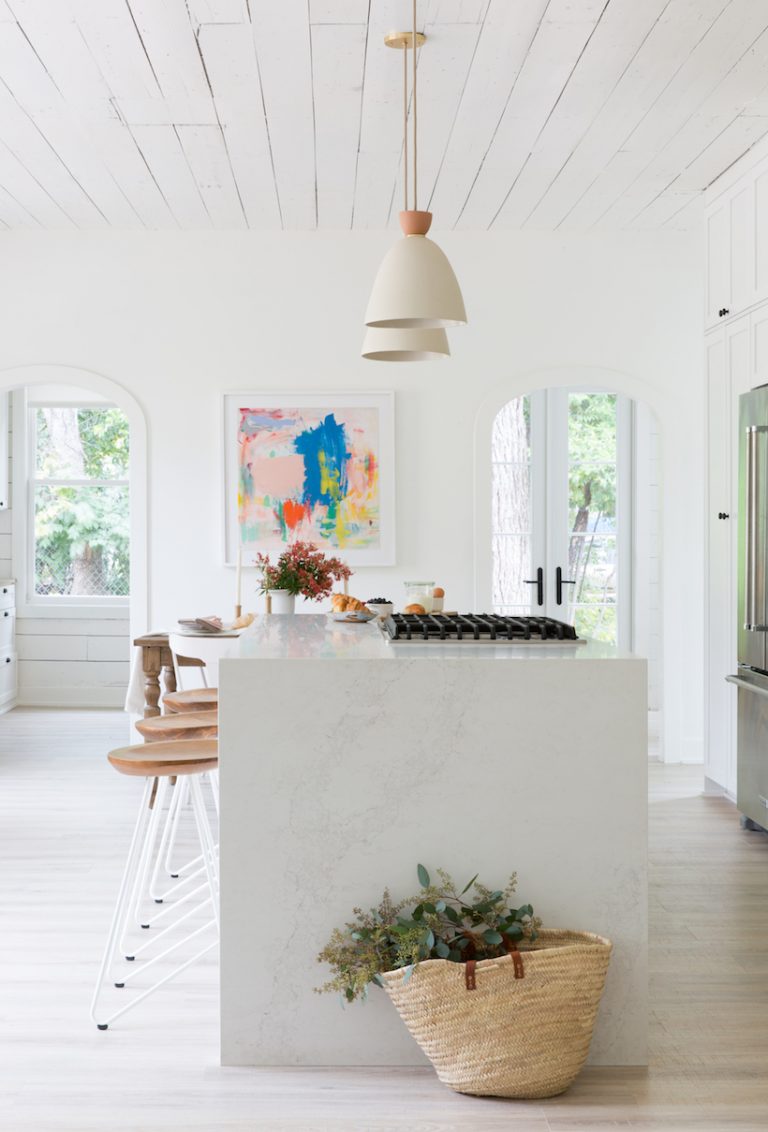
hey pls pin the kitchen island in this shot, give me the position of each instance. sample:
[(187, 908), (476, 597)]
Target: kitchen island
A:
[(345, 760)]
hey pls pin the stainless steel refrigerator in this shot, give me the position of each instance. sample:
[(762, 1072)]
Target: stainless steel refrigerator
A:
[(752, 618)]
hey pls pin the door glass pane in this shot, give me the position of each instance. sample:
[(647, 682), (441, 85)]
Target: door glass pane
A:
[(592, 517), (511, 507)]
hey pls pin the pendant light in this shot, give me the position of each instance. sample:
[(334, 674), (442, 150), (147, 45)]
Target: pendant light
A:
[(415, 288), (394, 344)]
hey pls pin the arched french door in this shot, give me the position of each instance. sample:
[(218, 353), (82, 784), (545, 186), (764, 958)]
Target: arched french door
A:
[(562, 517)]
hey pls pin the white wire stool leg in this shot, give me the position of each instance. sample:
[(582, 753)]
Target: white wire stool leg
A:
[(133, 882)]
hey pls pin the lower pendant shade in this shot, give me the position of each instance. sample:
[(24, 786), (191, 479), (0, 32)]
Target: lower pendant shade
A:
[(415, 288), (392, 344)]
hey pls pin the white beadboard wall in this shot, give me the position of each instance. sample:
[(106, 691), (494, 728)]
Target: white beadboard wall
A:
[(66, 662)]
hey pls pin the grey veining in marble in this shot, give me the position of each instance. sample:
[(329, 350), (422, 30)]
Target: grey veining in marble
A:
[(337, 779)]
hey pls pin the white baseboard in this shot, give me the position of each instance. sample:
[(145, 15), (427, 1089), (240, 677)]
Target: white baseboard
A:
[(72, 697)]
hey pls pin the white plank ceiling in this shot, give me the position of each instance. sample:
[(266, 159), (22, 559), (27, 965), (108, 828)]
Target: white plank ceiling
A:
[(287, 113)]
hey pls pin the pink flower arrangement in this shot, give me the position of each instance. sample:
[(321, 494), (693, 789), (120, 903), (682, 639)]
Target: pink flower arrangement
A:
[(302, 569)]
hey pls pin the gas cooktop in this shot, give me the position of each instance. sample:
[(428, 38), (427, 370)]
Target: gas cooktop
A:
[(488, 628)]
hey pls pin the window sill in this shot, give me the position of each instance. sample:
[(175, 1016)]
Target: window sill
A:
[(120, 610)]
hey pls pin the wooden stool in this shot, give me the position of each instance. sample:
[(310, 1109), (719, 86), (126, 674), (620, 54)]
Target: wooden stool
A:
[(157, 763), (163, 729), (196, 699), (180, 725)]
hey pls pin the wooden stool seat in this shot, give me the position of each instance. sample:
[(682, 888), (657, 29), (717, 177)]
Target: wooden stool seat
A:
[(196, 699), (180, 725), (163, 760)]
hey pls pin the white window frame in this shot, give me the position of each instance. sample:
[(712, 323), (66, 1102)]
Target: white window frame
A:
[(30, 604)]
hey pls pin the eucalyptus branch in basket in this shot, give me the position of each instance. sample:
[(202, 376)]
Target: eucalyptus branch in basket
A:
[(440, 923)]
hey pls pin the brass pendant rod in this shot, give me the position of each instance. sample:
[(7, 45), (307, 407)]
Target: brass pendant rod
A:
[(405, 130), (415, 164)]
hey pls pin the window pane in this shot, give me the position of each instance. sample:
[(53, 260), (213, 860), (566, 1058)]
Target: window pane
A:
[(75, 443), (511, 505), (596, 621), (593, 561), (81, 540), (511, 499), (511, 565), (592, 461)]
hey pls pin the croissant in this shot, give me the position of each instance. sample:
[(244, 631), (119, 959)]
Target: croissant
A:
[(339, 602)]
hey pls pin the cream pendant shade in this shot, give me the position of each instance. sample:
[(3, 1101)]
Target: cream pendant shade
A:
[(393, 344), (415, 288)]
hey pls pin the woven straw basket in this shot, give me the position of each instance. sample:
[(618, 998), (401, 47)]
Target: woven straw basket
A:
[(519, 1026)]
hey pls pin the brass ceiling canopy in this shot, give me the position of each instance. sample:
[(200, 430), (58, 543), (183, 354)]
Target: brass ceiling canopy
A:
[(404, 39)]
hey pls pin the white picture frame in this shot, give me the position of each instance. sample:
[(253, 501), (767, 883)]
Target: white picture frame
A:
[(383, 403)]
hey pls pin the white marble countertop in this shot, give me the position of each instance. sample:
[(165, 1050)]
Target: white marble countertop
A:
[(317, 637)]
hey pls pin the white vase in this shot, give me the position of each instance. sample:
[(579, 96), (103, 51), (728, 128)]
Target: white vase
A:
[(282, 601)]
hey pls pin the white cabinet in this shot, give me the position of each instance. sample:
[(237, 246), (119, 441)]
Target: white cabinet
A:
[(8, 662), (729, 374), (718, 262), (4, 427)]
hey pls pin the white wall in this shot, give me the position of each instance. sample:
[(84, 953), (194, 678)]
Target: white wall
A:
[(178, 318)]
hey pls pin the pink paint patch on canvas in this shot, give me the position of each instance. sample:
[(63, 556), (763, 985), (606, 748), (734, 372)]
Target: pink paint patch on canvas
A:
[(280, 477)]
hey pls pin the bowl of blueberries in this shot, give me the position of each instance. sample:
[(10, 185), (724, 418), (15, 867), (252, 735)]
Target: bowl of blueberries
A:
[(381, 606)]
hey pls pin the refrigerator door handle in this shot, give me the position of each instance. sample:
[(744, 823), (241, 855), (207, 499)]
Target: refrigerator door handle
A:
[(755, 565), (747, 685)]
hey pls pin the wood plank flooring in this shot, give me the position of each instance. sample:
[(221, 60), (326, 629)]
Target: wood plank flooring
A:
[(65, 819)]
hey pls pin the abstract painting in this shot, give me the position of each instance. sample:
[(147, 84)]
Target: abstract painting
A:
[(313, 467)]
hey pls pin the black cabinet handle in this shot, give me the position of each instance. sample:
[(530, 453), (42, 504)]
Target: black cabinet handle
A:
[(723, 312), (538, 582), (723, 515), (7, 613), (560, 581)]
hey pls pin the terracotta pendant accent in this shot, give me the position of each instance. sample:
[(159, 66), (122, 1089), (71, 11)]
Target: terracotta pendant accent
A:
[(414, 223)]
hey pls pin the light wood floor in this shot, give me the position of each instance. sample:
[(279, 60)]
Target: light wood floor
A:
[(64, 823)]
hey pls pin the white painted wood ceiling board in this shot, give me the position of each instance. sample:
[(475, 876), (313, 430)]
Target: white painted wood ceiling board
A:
[(21, 185), (730, 36), (60, 46), (501, 51), (171, 46), (209, 161), (283, 54), (115, 44), (27, 143), (561, 37), (117, 148), (450, 11), (683, 24), (620, 34), (443, 68), (13, 214), (230, 60), (340, 11), (161, 149), (665, 206), (338, 58), (677, 164), (180, 111), (379, 173), (32, 87), (218, 11)]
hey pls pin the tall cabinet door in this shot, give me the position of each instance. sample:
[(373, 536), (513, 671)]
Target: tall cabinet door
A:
[(719, 581), (729, 374)]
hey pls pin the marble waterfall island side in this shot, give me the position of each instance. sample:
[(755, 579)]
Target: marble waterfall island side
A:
[(346, 760)]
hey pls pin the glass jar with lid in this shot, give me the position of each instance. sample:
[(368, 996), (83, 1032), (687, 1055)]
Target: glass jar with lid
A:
[(420, 593)]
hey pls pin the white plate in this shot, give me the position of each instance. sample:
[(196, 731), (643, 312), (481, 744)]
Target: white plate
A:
[(353, 615)]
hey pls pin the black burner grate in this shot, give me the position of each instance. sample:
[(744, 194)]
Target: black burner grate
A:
[(476, 627)]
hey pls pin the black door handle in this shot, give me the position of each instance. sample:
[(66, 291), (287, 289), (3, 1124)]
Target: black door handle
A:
[(560, 581), (723, 515), (538, 582)]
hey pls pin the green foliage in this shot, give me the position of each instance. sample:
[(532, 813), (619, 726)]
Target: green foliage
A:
[(81, 532), (442, 923), (592, 457)]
